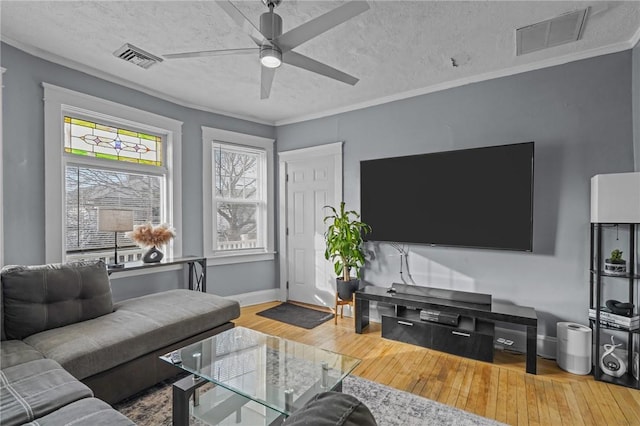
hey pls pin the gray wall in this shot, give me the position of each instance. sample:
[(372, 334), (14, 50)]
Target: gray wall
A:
[(579, 115), (23, 168), (636, 104)]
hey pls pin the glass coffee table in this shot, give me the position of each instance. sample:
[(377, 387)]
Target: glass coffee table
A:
[(255, 378)]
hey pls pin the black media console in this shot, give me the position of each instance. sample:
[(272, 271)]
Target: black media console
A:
[(473, 335)]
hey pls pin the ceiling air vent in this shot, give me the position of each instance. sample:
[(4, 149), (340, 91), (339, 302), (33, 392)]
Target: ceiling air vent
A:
[(136, 56), (552, 32)]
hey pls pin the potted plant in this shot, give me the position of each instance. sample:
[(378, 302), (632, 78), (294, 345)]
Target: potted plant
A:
[(150, 237), (615, 265), (344, 238)]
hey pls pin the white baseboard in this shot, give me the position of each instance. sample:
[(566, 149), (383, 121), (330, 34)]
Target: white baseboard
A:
[(256, 297), (546, 345)]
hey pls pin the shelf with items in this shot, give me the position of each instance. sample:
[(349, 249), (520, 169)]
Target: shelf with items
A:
[(611, 323), (625, 276), (604, 325), (615, 320)]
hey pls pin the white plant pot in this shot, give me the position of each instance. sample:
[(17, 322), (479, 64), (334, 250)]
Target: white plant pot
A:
[(615, 268)]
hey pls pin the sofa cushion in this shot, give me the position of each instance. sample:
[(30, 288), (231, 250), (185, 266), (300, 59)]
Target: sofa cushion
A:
[(85, 412), (14, 352), (135, 328), (332, 409), (36, 388), (38, 298)]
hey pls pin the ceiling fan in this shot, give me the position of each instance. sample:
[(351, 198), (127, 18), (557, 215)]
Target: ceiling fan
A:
[(275, 48)]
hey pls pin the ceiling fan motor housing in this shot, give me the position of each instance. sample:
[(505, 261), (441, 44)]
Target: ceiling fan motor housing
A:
[(271, 3), (270, 25)]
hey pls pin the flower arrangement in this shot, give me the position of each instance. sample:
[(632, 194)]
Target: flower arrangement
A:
[(148, 235)]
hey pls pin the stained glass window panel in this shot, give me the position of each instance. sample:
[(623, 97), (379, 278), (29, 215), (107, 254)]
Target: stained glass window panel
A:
[(87, 138)]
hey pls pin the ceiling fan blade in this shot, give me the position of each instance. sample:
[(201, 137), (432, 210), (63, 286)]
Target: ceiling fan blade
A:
[(223, 52), (304, 62), (242, 21), (317, 26), (266, 79)]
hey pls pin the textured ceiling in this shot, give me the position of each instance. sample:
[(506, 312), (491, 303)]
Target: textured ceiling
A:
[(394, 48)]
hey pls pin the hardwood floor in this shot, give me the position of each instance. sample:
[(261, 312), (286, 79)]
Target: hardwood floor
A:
[(501, 391)]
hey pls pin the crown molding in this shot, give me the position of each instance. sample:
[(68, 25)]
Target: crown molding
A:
[(545, 63), (48, 56), (64, 95)]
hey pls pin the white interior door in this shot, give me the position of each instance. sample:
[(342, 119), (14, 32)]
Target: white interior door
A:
[(310, 185)]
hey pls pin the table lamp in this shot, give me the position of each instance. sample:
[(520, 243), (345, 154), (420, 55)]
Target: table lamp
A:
[(115, 220)]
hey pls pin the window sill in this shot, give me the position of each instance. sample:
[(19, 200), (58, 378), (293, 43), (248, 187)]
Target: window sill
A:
[(233, 258)]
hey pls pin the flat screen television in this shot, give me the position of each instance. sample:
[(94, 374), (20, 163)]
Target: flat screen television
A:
[(480, 197)]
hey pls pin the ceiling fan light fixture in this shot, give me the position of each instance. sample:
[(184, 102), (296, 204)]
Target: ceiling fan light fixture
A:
[(270, 57), (271, 42)]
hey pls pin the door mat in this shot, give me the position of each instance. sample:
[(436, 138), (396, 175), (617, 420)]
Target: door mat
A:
[(296, 315)]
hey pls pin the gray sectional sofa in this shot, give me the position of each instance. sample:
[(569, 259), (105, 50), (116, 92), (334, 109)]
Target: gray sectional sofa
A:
[(67, 351)]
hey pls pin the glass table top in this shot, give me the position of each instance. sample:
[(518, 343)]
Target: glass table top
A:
[(275, 372)]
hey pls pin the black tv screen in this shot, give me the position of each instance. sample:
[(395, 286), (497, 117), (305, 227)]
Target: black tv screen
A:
[(481, 197)]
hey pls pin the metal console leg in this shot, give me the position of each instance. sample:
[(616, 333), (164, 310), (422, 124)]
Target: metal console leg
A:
[(182, 391), (532, 349), (198, 279)]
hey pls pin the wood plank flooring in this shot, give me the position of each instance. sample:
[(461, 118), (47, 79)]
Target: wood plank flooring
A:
[(501, 391)]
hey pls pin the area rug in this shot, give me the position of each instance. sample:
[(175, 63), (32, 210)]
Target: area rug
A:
[(296, 315), (389, 406), (392, 407)]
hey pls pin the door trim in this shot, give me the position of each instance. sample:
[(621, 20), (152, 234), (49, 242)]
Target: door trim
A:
[(332, 149)]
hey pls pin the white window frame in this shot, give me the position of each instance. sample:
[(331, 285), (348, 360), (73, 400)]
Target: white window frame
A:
[(59, 102), (260, 199), (209, 137), (2, 70)]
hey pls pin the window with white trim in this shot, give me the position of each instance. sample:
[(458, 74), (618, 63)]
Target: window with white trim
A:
[(100, 154), (237, 196), (107, 166)]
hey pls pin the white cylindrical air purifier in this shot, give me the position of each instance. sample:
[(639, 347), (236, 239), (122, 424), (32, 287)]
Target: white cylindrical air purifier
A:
[(573, 352)]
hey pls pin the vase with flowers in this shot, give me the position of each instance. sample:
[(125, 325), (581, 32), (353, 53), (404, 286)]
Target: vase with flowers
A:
[(151, 237)]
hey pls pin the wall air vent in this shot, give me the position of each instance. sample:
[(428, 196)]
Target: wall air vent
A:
[(136, 56), (552, 32)]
